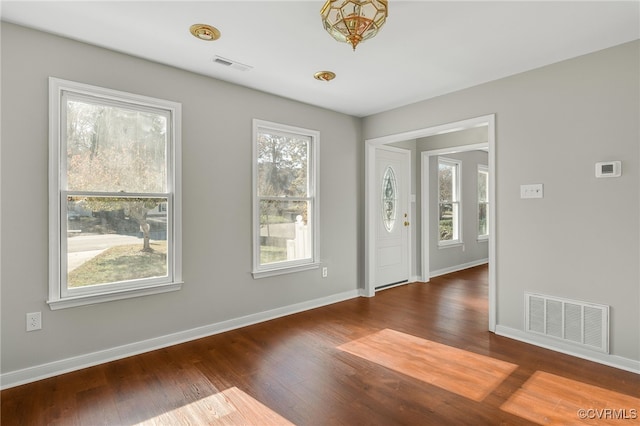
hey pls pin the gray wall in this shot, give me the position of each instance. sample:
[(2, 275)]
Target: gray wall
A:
[(581, 241), (472, 250), (217, 169)]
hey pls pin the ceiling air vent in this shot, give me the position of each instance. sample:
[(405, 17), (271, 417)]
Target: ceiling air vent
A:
[(231, 64)]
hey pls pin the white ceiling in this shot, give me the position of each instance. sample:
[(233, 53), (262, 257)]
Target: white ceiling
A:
[(426, 48)]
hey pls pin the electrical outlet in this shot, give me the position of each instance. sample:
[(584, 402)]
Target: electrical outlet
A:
[(34, 321), (325, 272)]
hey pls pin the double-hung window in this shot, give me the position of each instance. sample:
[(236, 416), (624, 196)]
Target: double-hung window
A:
[(483, 202), (114, 208), (285, 199), (449, 202)]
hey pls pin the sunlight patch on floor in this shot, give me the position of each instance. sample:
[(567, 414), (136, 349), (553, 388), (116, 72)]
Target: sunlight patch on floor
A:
[(548, 399), (229, 407), (462, 372)]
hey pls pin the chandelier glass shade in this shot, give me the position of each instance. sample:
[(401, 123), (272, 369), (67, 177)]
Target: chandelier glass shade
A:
[(353, 21)]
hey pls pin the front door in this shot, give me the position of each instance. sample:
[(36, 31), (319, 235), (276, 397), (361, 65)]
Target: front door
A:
[(391, 216)]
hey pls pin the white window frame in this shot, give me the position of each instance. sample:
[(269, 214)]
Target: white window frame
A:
[(59, 295), (483, 169), (456, 201), (279, 268)]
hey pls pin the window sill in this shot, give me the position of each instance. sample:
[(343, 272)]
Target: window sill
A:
[(285, 270), (483, 239), (71, 302), (450, 245)]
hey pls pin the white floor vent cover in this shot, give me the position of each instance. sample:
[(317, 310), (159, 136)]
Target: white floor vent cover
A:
[(582, 323)]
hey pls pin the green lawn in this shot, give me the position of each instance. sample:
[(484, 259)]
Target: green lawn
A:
[(121, 263)]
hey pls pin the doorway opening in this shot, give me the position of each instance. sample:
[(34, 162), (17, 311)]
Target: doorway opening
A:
[(421, 237)]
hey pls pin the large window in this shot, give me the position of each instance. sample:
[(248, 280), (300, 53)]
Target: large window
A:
[(285, 199), (483, 202), (449, 201), (114, 195)]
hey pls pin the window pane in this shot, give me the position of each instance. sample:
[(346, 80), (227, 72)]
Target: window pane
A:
[(449, 196), (285, 233), (114, 149), (446, 182), (483, 227), (483, 180), (283, 165), (389, 199), (115, 239), (445, 221)]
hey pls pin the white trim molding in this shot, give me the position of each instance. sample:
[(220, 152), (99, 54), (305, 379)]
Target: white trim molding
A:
[(615, 361)]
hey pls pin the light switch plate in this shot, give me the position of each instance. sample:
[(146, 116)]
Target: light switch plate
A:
[(535, 190)]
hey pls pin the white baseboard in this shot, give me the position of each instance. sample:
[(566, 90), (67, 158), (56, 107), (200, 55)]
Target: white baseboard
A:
[(43, 371), (457, 268), (566, 348), (363, 293)]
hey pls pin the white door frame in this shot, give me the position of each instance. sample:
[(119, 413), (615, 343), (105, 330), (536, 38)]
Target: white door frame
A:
[(369, 236)]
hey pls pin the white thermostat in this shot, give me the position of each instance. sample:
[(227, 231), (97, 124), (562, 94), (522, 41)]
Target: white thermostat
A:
[(608, 169)]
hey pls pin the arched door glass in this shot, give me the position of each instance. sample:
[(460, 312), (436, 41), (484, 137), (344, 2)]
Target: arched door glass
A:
[(389, 199)]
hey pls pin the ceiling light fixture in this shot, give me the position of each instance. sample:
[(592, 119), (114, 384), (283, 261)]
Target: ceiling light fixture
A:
[(324, 75), (353, 21), (205, 32)]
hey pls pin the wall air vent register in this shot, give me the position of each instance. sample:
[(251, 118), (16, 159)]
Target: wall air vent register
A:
[(582, 323)]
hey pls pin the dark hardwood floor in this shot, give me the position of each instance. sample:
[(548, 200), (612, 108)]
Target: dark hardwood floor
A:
[(332, 365)]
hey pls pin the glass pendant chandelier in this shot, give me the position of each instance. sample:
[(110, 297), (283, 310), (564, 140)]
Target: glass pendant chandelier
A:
[(353, 21)]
